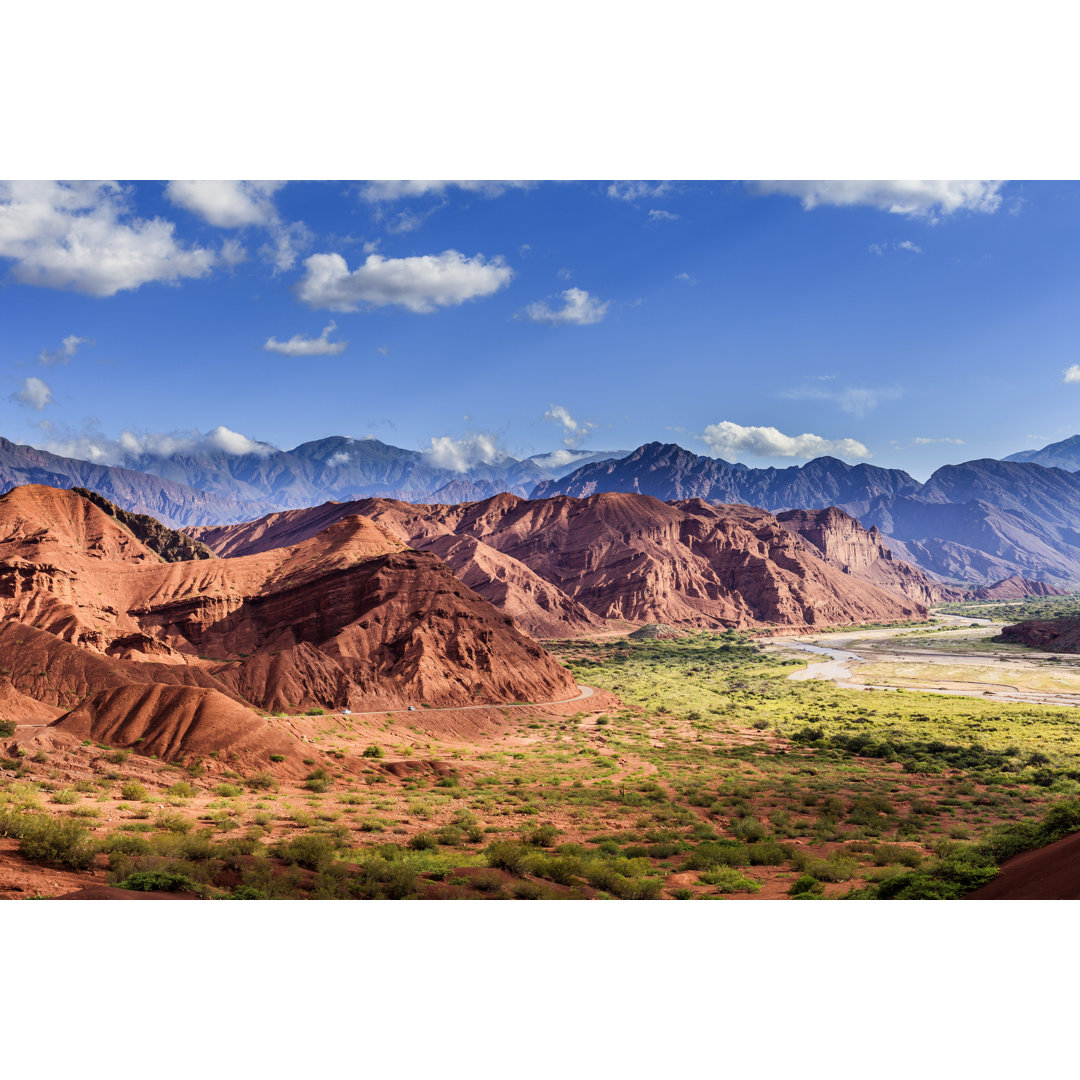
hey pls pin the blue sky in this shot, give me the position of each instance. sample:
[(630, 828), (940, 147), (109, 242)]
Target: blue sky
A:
[(908, 324)]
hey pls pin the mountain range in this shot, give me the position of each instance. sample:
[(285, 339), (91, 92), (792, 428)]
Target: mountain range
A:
[(977, 522), (211, 485)]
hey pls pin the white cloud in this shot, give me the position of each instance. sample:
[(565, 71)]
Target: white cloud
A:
[(227, 204), (731, 440), (35, 393), (579, 309), (84, 236), (459, 455), (922, 440), (662, 215), (573, 430), (687, 278), (913, 198), (420, 283), (131, 448), (68, 348), (298, 345), (631, 190), (857, 400), (1072, 373), (237, 204), (376, 191), (884, 246)]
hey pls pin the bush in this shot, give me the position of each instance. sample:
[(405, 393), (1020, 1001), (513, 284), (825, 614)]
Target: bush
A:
[(506, 855), (278, 758), (173, 822), (262, 781), (311, 851), (541, 836), (228, 791), (7, 728), (45, 839), (766, 853), (728, 880), (373, 751), (717, 853), (182, 790), (65, 797), (133, 791), (159, 881), (423, 842), (806, 886)]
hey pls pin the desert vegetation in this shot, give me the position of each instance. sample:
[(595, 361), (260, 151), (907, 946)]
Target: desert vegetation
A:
[(698, 771)]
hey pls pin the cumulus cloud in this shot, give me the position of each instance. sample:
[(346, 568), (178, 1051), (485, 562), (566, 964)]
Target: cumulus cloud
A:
[(84, 236), (35, 392), (237, 204), (227, 204), (929, 199), (420, 283), (730, 440), (340, 458), (376, 191), (559, 459), (882, 247), (573, 430), (131, 448), (857, 400), (460, 455), (1071, 373), (632, 190), (579, 308), (298, 345), (662, 215), (68, 348)]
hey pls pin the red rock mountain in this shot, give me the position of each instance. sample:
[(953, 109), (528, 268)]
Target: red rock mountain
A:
[(616, 557), (1015, 588), (347, 617), (842, 542)]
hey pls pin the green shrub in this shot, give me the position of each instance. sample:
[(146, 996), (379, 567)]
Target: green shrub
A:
[(133, 791), (373, 751), (159, 881), (423, 842), (717, 853), (228, 791), (806, 886), (766, 853), (65, 797), (182, 790), (277, 758), (728, 880), (173, 822), (309, 850), (45, 839), (7, 728), (262, 781)]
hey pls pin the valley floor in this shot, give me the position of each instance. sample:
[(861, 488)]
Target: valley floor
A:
[(707, 767)]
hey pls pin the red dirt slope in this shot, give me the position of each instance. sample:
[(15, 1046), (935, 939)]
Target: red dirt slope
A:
[(1047, 873), (349, 617), (615, 556)]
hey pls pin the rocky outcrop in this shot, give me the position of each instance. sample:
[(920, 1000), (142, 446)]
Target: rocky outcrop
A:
[(348, 617), (842, 542), (562, 566), (171, 544), (1015, 588), (1050, 635)]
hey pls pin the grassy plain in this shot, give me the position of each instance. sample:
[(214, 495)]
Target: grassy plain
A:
[(713, 777)]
